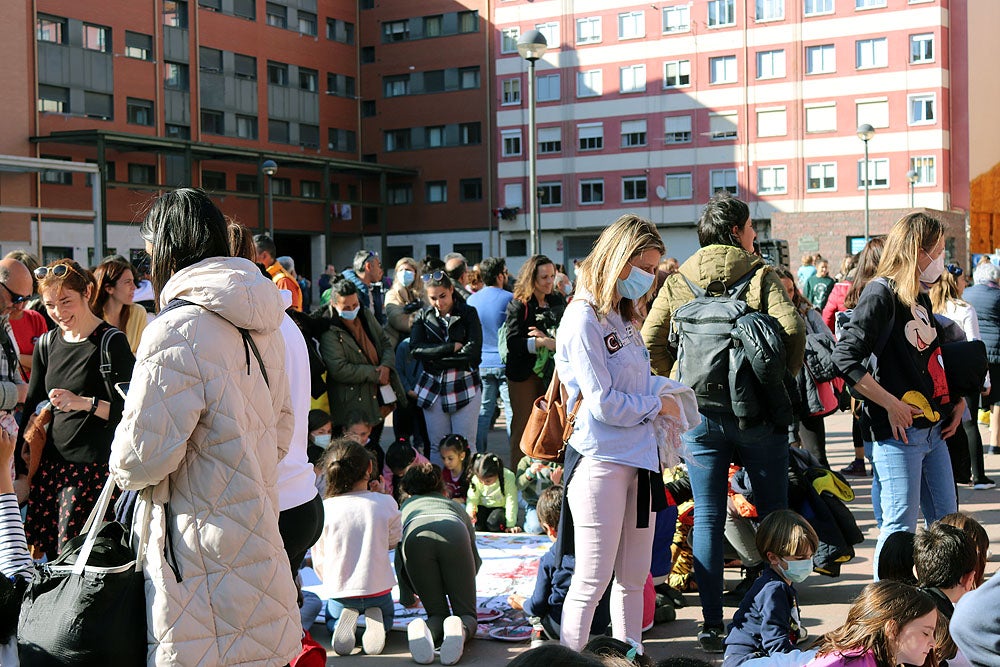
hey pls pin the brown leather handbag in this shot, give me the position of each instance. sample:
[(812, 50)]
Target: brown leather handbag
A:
[(550, 425), (35, 435)]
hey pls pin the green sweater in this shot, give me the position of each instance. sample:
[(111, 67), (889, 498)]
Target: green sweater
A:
[(531, 484), (492, 496)]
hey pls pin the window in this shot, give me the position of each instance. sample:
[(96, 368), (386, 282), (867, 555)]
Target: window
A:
[(53, 99), (677, 19), (344, 141), (397, 195), (59, 177), (211, 5), (395, 31), (722, 125), (772, 180), (771, 64), (549, 140), (366, 4), (551, 33), (246, 183), (139, 112), (677, 73), (631, 25), (511, 91), (277, 73), (723, 179), (308, 135), (96, 38), (771, 123), (398, 140), (245, 67), (468, 21), (872, 53), (550, 194), (470, 134), (281, 186), (509, 37), (721, 12), (821, 118), (51, 29), (277, 15), (922, 48), (633, 133), (591, 136), (592, 191), (246, 127), (308, 24), (144, 174), (437, 192), (868, 4), (98, 105), (512, 195), (821, 177), (814, 7), (677, 129), (175, 13), (820, 59), (177, 131), (633, 188), (770, 10), (632, 79), (309, 189), (213, 180), (138, 46), (722, 69), (209, 60), (308, 79), (343, 86), (924, 166), (547, 87), (515, 248), (470, 189), (878, 173), (511, 142), (434, 136), (588, 30), (175, 76), (432, 26), (679, 186), (873, 112), (212, 122), (340, 31), (589, 83), (277, 131), (921, 109), (245, 9)]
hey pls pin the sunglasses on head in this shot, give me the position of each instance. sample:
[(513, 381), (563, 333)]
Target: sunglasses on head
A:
[(15, 298), (437, 275), (955, 270), (57, 270)]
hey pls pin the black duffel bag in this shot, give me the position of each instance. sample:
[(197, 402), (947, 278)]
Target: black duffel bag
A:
[(88, 606), (965, 367)]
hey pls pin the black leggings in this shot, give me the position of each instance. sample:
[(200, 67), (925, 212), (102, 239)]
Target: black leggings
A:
[(812, 435), (300, 527), (491, 519)]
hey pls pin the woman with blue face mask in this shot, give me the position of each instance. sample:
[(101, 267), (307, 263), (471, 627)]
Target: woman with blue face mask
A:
[(404, 299)]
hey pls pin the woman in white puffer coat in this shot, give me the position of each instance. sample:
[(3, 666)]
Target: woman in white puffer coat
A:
[(206, 421)]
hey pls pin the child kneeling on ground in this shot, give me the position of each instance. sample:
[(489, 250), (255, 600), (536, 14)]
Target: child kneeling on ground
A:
[(360, 527), (766, 627), (492, 500)]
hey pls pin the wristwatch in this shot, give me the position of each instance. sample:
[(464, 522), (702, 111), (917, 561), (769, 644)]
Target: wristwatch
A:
[(93, 405)]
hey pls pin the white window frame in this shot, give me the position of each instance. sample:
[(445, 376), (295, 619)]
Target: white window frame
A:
[(922, 98), (817, 12), (513, 195), (677, 182), (729, 7), (874, 122), (594, 90), (677, 15), (776, 174), (589, 128), (825, 105), (724, 175), (552, 87), (876, 48), (772, 10), (729, 135), (437, 192), (589, 35), (634, 181), (634, 131), (591, 182), (829, 170), (510, 135), (631, 25), (727, 63), (771, 115), (921, 38), (550, 31), (877, 167), (862, 5), (508, 39), (678, 134), (637, 74), (683, 70), (771, 64), (549, 140), (921, 164), (828, 61), (510, 92), (551, 186)]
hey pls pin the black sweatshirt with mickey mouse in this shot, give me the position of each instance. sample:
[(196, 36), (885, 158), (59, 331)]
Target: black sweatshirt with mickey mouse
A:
[(899, 345)]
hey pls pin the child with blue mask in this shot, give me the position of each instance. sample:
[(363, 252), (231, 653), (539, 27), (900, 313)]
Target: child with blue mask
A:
[(766, 628)]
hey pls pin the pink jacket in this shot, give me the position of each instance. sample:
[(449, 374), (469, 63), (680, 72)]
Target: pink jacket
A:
[(835, 303), (835, 659)]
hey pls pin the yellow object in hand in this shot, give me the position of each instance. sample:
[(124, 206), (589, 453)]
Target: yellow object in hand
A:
[(917, 400)]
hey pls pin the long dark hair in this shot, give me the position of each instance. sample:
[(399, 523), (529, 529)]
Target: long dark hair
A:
[(184, 227), (107, 274), (489, 465), (458, 443)]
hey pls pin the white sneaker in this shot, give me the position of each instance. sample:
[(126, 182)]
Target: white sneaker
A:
[(454, 640), (373, 640), (421, 642), (343, 632)]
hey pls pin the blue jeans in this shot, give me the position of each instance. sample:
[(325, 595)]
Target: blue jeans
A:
[(494, 390), (709, 448), (914, 476), (532, 526), (876, 486), (337, 605)]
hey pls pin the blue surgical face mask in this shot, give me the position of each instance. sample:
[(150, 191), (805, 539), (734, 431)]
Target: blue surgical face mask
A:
[(322, 441), (406, 277), (798, 570), (348, 314), (636, 284)]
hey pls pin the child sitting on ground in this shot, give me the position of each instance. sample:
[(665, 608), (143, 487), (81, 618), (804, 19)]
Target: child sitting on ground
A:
[(456, 472), (400, 456), (766, 627), (976, 534), (360, 527), (492, 500), (320, 430), (533, 477), (358, 429), (544, 607)]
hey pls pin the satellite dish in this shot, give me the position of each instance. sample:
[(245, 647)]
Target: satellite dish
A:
[(661, 192)]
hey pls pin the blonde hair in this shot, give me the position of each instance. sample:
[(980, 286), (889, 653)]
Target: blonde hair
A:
[(910, 235), (625, 238), (786, 533), (416, 288), (945, 290)]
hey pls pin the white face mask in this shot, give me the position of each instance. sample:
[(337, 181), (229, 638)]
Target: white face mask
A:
[(933, 271)]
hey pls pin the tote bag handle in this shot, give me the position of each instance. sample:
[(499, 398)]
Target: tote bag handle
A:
[(93, 525)]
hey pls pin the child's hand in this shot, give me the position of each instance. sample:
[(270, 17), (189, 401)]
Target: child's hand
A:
[(6, 448), (557, 474), (535, 467), (414, 604), (516, 601), (514, 529)]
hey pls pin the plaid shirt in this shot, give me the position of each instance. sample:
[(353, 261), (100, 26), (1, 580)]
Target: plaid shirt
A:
[(10, 368), (455, 388)]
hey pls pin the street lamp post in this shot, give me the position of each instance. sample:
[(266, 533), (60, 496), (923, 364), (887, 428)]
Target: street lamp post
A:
[(912, 176), (270, 168), (865, 133), (532, 46)]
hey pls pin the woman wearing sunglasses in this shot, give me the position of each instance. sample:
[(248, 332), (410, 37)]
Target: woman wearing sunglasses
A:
[(67, 370)]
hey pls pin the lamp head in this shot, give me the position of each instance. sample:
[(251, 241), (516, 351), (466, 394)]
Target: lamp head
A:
[(269, 167), (865, 132), (912, 176), (532, 45)]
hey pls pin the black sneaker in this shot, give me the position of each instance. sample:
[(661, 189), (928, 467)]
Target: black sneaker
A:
[(670, 593), (712, 639), (983, 484), (855, 469)]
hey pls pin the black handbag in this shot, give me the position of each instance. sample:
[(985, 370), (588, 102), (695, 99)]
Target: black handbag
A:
[(965, 367), (88, 606)]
